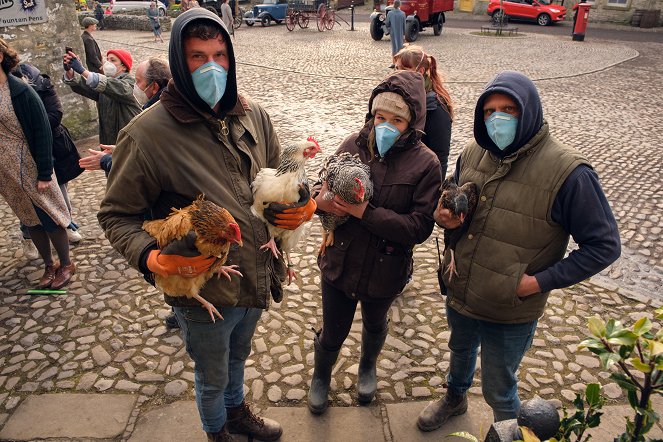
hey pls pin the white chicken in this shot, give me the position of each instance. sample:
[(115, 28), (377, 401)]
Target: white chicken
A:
[(282, 185)]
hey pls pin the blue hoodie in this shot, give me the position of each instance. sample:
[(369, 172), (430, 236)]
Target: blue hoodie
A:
[(580, 206)]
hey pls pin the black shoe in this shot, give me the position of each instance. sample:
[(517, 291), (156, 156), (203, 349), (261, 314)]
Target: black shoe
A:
[(171, 321), (437, 413), (241, 420)]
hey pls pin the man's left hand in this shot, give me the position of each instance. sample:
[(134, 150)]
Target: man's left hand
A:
[(527, 286), (291, 216), (92, 161)]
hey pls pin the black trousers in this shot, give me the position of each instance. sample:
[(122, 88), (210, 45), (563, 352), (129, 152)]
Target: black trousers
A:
[(338, 310)]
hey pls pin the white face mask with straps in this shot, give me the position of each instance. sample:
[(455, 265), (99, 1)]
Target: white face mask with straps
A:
[(109, 69)]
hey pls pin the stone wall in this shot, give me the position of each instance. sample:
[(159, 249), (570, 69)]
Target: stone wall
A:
[(42, 45), (137, 21)]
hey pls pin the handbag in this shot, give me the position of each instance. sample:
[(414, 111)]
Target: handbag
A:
[(65, 157)]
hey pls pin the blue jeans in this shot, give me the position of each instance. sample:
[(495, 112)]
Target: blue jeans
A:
[(502, 348), (219, 350)]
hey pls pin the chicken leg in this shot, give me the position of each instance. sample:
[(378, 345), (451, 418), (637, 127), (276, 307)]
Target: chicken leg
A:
[(292, 274), (271, 245), (327, 241), (451, 268), (227, 271), (210, 308)]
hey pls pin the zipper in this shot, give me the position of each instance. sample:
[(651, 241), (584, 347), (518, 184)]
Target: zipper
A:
[(223, 130)]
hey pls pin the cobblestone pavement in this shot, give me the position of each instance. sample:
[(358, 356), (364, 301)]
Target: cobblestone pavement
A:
[(107, 334)]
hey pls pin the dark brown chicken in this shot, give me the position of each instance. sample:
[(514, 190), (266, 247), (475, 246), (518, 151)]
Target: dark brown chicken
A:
[(461, 202), (350, 179), (201, 226)]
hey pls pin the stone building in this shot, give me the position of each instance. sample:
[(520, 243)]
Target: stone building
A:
[(39, 30)]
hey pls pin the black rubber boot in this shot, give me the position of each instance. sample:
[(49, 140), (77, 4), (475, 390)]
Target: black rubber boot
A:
[(367, 382), (324, 362)]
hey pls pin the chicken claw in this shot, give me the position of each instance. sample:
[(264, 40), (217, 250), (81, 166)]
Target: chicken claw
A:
[(210, 308), (271, 245), (227, 271), (327, 241), (451, 268)]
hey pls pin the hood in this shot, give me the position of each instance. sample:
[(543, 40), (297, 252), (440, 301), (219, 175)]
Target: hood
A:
[(180, 71), (409, 85), (38, 81), (524, 92)]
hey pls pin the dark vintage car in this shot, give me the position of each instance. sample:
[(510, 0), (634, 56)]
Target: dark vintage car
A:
[(267, 12)]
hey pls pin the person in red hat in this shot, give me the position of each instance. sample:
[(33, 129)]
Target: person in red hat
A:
[(112, 90)]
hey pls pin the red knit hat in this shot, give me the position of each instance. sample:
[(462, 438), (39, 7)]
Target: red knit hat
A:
[(124, 56)]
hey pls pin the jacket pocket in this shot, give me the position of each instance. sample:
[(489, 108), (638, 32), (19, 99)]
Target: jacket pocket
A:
[(488, 289), (331, 264), (389, 275), (397, 196)]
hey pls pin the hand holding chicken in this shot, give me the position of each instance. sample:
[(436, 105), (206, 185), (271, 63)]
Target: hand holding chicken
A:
[(193, 245)]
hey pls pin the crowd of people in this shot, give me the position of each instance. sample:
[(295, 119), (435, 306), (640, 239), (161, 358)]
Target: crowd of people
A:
[(202, 136)]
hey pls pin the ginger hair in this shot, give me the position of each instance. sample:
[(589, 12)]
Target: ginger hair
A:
[(413, 58)]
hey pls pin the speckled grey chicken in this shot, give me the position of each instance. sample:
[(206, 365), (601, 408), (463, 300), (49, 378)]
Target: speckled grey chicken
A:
[(460, 201), (350, 179)]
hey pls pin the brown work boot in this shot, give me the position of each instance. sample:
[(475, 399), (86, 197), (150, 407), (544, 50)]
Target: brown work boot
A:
[(220, 436), (47, 278), (438, 412), (63, 276), (241, 420)]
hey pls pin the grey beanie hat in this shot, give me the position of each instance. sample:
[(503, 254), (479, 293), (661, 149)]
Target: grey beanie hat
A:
[(87, 21)]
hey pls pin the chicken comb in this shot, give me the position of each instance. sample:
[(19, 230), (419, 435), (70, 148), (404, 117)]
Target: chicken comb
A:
[(311, 139)]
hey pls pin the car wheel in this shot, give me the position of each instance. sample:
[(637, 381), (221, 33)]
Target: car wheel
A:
[(212, 10), (543, 20), (265, 21), (162, 12), (498, 16), (376, 28), (411, 31), (437, 27)]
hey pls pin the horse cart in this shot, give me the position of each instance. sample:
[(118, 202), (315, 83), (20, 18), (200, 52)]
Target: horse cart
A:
[(300, 12)]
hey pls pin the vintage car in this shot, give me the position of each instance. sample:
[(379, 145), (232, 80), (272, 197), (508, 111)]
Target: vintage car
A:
[(267, 12), (418, 13), (541, 11)]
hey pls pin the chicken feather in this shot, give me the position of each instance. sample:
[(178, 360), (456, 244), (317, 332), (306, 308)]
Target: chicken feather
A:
[(202, 228), (282, 185)]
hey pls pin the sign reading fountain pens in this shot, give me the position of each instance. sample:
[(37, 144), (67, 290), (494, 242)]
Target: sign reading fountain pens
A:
[(22, 12)]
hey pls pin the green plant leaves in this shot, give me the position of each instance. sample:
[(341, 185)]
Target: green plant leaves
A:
[(642, 326), (596, 326), (593, 394)]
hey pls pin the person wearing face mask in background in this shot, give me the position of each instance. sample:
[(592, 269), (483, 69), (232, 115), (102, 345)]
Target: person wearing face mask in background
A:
[(152, 77), (113, 90), (535, 192), (439, 109), (203, 137), (371, 258)]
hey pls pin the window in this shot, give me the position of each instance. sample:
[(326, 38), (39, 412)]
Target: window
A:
[(617, 3)]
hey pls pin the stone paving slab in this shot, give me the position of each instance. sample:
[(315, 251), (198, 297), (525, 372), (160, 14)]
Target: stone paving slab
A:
[(613, 422), (335, 425), (97, 416), (403, 421), (176, 422)]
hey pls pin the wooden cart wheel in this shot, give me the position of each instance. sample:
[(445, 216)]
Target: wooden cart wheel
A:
[(322, 10), (290, 21), (330, 19), (302, 20)]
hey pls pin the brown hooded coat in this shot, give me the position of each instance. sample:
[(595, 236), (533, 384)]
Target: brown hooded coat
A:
[(372, 257)]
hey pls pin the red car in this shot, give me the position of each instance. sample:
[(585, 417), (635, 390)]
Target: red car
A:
[(542, 11)]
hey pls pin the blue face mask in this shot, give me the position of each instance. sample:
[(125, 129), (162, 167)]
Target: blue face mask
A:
[(502, 128), (386, 135), (210, 82)]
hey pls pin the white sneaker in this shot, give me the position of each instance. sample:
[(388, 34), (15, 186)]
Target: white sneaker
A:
[(29, 249), (74, 236)]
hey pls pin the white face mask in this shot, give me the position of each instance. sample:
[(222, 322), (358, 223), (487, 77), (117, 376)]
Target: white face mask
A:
[(140, 94), (109, 69)]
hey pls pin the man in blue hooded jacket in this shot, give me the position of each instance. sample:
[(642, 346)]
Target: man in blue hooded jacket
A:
[(535, 193)]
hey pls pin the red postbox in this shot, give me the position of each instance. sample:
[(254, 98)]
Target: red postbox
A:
[(580, 20)]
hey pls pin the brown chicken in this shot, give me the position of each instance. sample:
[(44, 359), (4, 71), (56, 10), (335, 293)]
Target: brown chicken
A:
[(201, 226), (461, 202)]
